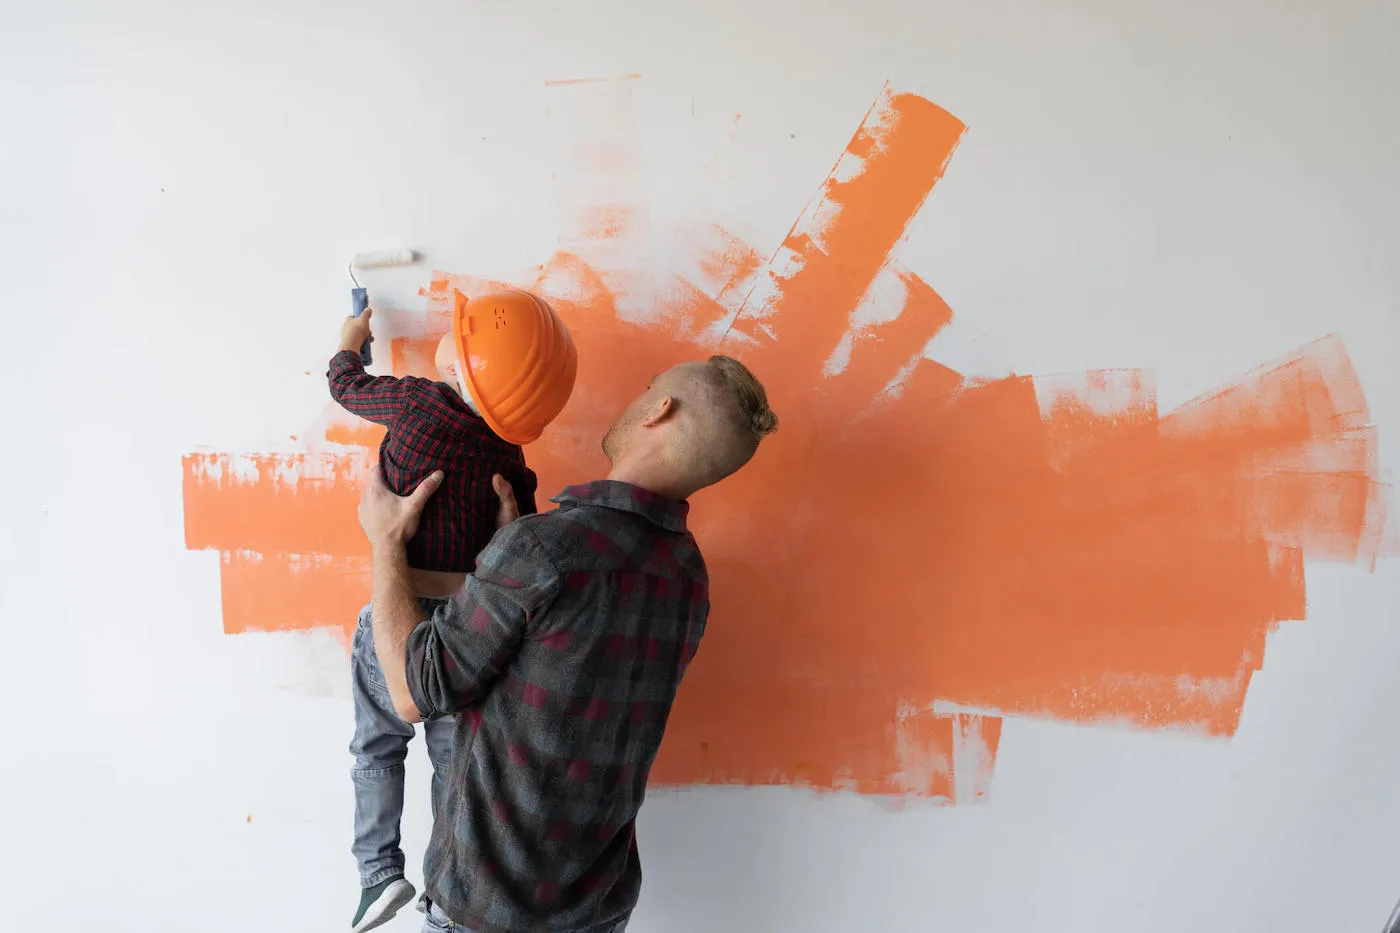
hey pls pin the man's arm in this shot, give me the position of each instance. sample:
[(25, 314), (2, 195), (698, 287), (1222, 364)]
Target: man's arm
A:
[(394, 614), (454, 658), (374, 398), (389, 522)]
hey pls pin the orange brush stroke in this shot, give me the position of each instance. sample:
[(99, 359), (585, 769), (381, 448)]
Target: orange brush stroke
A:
[(1046, 547), (355, 434), (269, 503), (284, 592), (413, 356), (834, 251)]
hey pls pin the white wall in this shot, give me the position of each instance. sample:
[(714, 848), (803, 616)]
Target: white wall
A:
[(1192, 188)]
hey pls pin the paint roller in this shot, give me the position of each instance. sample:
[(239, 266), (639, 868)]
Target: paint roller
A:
[(359, 296)]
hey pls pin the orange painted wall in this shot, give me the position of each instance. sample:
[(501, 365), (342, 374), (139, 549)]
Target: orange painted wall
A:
[(915, 553)]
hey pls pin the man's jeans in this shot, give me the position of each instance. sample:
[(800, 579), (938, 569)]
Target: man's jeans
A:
[(380, 746), (439, 922)]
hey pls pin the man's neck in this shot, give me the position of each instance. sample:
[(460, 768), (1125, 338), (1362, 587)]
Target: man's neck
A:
[(651, 476)]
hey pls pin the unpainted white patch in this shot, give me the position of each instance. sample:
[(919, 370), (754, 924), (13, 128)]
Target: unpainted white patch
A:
[(882, 303), (1103, 393), (840, 356), (244, 555), (973, 760), (311, 663), (880, 128), (288, 472), (848, 168), (1215, 690), (243, 468), (820, 221), (208, 469), (786, 264), (961, 347), (895, 387), (919, 766)]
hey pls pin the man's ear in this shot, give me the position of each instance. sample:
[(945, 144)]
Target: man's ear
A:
[(658, 411), (452, 368)]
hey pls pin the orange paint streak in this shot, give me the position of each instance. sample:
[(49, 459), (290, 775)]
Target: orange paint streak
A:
[(882, 351), (727, 267), (975, 753), (355, 434), (270, 503), (413, 356), (606, 222), (282, 592), (727, 260), (1044, 547), (835, 249)]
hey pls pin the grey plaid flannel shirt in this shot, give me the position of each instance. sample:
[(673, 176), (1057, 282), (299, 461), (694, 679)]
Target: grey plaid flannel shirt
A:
[(560, 660)]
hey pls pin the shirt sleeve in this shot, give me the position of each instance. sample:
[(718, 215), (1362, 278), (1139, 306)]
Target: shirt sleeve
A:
[(455, 657), (374, 398)]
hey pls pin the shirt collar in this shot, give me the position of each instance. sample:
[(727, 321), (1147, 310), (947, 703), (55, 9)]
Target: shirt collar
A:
[(610, 494)]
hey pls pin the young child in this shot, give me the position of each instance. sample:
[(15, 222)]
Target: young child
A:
[(507, 369)]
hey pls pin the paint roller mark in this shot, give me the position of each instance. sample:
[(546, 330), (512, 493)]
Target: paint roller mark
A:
[(270, 503), (355, 434), (701, 301), (1046, 547), (601, 208), (414, 356), (281, 592), (725, 262), (843, 238), (975, 740), (874, 352)]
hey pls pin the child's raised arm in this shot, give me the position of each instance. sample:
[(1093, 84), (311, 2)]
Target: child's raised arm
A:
[(374, 398)]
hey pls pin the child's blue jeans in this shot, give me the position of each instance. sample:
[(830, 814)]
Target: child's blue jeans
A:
[(380, 746)]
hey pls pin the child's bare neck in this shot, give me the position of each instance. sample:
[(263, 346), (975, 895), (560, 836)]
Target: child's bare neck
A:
[(436, 583)]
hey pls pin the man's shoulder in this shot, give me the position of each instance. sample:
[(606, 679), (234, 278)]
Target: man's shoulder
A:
[(554, 529), (583, 539)]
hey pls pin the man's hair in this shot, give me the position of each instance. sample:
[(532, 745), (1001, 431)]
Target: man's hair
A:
[(724, 436), (748, 395)]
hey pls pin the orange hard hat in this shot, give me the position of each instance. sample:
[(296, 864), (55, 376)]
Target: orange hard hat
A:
[(516, 359)]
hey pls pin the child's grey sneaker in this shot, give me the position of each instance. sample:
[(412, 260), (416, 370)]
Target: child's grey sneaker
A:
[(379, 903)]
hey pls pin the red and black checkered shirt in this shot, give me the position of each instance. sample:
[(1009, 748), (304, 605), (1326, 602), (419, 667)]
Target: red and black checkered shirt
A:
[(562, 656), (431, 428)]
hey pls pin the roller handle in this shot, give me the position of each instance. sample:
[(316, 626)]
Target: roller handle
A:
[(359, 300)]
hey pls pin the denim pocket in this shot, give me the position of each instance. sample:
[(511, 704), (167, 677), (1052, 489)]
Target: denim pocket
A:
[(362, 654), (362, 627), (439, 921)]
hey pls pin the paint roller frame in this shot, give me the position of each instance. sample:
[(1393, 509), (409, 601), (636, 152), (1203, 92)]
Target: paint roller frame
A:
[(359, 295)]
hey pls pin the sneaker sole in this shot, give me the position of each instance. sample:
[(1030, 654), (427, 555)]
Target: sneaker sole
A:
[(382, 911)]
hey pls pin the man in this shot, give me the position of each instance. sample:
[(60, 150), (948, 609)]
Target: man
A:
[(560, 659)]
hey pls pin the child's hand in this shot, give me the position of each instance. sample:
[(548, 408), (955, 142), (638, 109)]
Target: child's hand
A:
[(355, 331)]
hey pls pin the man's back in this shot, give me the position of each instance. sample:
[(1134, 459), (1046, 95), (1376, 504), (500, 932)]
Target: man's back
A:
[(563, 656)]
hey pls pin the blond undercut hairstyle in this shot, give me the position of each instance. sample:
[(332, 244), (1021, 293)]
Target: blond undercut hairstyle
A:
[(733, 417)]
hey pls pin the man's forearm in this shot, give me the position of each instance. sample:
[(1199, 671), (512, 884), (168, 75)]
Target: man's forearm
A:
[(394, 614)]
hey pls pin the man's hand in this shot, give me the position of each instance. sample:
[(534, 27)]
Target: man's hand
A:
[(510, 509), (389, 519), (355, 331)]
